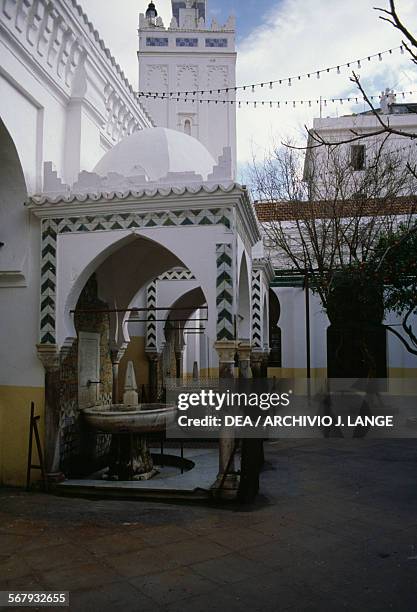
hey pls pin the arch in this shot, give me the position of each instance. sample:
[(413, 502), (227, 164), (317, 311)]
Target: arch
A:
[(187, 127), (13, 216), (244, 303), (122, 269), (185, 306)]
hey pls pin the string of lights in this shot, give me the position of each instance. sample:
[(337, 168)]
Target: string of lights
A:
[(357, 63), (282, 103)]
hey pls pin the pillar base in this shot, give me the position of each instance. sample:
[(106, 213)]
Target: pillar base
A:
[(225, 487)]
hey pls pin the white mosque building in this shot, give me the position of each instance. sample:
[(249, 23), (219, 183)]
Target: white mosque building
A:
[(124, 235), (112, 206)]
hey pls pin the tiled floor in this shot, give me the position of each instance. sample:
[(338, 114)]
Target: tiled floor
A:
[(334, 529)]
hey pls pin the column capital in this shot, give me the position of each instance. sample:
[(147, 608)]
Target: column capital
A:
[(116, 354), (49, 356), (226, 350), (244, 349)]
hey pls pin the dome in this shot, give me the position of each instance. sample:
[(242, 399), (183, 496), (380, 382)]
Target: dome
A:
[(155, 152)]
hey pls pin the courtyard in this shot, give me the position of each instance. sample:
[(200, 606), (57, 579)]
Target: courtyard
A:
[(334, 528)]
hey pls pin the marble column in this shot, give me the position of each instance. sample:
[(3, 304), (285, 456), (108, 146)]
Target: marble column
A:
[(116, 355), (178, 363), (227, 481), (50, 358), (244, 352), (257, 358), (265, 363), (154, 359)]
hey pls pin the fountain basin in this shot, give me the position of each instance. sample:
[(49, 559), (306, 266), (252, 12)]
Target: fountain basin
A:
[(140, 419)]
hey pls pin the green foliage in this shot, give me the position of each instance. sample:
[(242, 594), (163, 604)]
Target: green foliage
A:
[(394, 263)]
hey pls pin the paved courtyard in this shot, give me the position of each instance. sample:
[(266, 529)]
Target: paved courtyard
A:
[(334, 529)]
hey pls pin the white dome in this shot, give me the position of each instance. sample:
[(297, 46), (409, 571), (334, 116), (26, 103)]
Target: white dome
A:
[(155, 152)]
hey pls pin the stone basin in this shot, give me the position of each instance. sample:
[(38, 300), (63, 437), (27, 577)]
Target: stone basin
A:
[(140, 419)]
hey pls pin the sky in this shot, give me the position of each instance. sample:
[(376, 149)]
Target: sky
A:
[(281, 38)]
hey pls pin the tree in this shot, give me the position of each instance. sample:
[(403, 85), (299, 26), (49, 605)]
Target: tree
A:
[(394, 263), (327, 221)]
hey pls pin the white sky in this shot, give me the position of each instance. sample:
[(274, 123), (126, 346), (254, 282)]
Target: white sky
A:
[(299, 36)]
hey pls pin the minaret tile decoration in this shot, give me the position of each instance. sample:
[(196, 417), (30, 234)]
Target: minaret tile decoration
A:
[(190, 54)]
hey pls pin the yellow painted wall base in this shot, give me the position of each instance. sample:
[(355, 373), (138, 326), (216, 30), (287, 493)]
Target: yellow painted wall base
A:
[(14, 432), (296, 373), (403, 373)]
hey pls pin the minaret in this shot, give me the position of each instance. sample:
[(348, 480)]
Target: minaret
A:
[(190, 55)]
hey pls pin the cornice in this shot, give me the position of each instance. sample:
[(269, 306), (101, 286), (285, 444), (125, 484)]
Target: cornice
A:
[(115, 201)]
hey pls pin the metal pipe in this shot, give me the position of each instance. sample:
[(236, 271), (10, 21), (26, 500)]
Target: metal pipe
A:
[(152, 309)]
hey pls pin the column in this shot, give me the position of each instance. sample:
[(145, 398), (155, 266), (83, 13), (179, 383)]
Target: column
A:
[(50, 358), (227, 482), (154, 358), (244, 352), (257, 358), (179, 354)]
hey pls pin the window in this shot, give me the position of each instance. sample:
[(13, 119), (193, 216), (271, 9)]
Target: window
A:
[(187, 127), (357, 155)]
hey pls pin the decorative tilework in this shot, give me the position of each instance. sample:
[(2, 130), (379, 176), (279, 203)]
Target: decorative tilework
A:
[(48, 282), (156, 41), (256, 310), (216, 42), (224, 292), (123, 221), (177, 275), (187, 42), (151, 327)]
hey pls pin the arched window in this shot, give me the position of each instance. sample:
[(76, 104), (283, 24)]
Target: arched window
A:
[(187, 127)]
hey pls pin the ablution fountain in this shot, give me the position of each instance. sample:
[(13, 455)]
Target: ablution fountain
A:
[(129, 425)]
